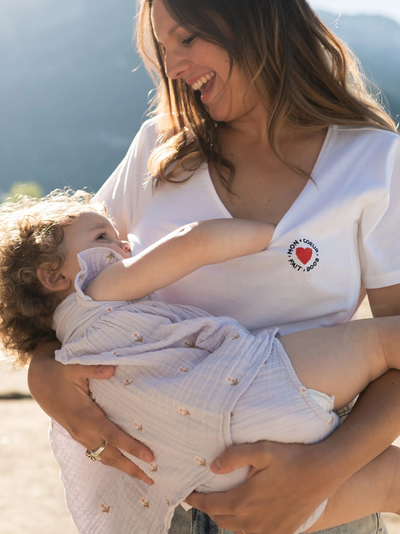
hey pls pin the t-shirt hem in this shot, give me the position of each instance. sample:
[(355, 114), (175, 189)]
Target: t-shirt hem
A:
[(388, 279)]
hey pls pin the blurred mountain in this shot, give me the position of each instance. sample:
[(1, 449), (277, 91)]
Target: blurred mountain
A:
[(376, 42), (70, 104)]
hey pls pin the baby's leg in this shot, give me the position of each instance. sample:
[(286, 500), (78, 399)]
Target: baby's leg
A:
[(342, 360), (375, 488)]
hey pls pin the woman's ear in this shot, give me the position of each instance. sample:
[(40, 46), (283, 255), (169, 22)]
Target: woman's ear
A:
[(52, 278)]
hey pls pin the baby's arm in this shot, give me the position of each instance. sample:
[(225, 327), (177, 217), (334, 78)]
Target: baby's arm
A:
[(178, 254)]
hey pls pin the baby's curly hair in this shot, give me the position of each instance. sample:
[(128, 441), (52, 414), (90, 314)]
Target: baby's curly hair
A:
[(31, 231)]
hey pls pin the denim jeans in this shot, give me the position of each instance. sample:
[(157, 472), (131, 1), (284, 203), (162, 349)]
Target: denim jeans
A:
[(197, 522), (371, 524)]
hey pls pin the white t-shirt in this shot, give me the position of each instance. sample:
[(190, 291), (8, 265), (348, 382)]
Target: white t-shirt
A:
[(338, 234)]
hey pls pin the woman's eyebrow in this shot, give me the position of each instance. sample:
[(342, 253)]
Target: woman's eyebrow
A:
[(173, 29)]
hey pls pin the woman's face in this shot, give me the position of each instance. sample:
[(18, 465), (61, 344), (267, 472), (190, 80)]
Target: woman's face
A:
[(205, 67)]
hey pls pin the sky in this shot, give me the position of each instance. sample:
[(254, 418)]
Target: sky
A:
[(388, 8)]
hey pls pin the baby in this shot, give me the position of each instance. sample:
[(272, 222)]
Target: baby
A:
[(187, 384)]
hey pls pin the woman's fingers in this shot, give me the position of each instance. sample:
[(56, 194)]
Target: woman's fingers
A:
[(66, 400), (88, 425), (213, 504), (281, 478), (249, 454), (112, 457), (80, 374), (94, 429), (84, 372), (228, 509), (90, 418), (116, 437)]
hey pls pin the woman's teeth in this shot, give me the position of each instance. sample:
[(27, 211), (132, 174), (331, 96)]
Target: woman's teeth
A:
[(201, 81)]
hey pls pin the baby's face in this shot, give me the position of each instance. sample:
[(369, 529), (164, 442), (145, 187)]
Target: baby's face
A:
[(90, 230)]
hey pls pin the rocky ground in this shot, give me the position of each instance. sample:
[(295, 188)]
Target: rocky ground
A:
[(31, 494)]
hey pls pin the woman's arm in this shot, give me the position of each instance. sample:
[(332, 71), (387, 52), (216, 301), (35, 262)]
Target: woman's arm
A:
[(288, 482), (62, 390), (179, 254), (66, 400), (385, 301)]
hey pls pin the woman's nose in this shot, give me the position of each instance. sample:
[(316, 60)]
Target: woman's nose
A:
[(175, 66)]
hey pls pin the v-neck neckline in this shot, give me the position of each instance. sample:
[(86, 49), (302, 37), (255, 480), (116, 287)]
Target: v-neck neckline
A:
[(310, 182)]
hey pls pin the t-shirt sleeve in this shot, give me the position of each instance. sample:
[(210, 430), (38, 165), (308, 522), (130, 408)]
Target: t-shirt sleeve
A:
[(125, 193), (379, 243)]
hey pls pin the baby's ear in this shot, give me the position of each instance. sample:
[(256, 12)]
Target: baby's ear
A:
[(52, 278)]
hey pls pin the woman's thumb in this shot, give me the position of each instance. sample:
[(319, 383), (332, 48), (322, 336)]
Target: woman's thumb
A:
[(236, 457), (93, 371)]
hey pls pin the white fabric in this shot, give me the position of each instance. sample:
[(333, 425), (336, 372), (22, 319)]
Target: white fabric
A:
[(180, 374), (344, 219)]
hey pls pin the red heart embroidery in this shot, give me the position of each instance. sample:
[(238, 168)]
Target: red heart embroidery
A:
[(304, 254)]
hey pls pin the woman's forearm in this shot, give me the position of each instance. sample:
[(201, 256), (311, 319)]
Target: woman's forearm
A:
[(37, 373), (370, 428)]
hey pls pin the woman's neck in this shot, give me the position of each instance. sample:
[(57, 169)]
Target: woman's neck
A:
[(251, 128)]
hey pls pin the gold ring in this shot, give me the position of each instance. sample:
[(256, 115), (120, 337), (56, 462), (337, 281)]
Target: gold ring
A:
[(95, 454)]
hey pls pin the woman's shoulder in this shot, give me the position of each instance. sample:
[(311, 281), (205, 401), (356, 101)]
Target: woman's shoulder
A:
[(128, 190), (151, 126), (374, 138), (147, 135), (367, 160), (370, 151)]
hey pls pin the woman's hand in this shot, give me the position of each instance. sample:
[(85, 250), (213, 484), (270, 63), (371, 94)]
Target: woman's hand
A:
[(286, 484), (62, 392)]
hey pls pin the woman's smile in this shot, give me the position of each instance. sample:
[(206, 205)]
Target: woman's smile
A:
[(204, 66), (202, 83)]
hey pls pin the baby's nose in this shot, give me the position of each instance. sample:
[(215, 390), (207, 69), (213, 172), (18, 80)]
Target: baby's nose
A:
[(125, 246)]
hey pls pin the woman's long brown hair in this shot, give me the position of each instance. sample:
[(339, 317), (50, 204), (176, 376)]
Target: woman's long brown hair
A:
[(305, 76)]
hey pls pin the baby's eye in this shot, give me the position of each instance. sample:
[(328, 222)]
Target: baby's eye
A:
[(101, 236)]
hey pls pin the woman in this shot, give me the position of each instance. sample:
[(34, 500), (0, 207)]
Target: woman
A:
[(262, 115)]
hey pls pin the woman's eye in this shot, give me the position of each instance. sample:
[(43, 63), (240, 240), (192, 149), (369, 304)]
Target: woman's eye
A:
[(189, 40)]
